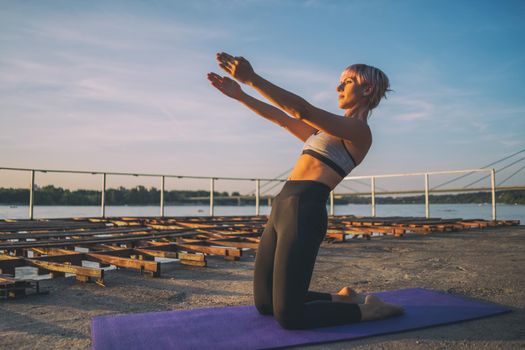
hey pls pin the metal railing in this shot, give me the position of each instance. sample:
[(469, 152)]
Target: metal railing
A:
[(163, 177), (426, 176)]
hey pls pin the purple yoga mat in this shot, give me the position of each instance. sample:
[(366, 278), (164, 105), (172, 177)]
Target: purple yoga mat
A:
[(242, 327)]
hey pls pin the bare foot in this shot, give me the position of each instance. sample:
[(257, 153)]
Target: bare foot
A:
[(376, 309), (348, 295)]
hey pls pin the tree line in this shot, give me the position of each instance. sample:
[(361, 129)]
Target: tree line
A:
[(140, 195)]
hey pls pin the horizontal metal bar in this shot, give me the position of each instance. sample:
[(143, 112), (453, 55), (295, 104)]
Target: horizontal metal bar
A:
[(433, 191), (239, 178), (137, 174), (488, 170)]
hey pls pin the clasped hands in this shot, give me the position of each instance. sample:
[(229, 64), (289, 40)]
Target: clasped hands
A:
[(238, 68)]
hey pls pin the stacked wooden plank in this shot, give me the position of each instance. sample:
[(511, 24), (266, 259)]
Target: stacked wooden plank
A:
[(64, 246), (343, 227)]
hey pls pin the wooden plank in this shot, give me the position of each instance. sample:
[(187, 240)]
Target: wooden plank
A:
[(104, 240), (67, 268), (142, 265), (7, 257), (338, 237), (192, 257), (211, 250), (53, 251), (158, 253), (6, 279), (108, 247), (70, 233), (232, 243), (55, 224), (193, 262), (469, 225)]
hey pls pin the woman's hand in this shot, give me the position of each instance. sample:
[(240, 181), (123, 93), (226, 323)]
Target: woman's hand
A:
[(237, 67), (226, 85)]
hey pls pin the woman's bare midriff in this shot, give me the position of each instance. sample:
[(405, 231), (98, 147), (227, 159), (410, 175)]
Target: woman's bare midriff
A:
[(310, 168)]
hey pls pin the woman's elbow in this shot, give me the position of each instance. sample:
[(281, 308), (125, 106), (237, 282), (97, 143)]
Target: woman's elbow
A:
[(300, 112)]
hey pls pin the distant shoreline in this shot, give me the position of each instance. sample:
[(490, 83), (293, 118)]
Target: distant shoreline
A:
[(142, 196)]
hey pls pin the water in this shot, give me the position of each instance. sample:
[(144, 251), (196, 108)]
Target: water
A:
[(465, 211)]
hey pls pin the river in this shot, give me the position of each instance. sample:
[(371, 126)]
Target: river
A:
[(465, 211)]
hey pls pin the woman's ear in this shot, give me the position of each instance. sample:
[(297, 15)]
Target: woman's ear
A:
[(367, 90)]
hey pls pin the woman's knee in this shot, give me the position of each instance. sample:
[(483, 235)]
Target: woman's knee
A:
[(290, 323), (264, 308), (263, 302), (289, 319)]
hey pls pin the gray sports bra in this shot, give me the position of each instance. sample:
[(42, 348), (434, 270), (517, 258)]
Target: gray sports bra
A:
[(330, 150)]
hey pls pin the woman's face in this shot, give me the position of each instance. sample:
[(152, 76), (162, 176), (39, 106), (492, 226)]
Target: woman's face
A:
[(350, 93)]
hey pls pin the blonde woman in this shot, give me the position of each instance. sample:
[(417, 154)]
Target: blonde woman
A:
[(333, 146)]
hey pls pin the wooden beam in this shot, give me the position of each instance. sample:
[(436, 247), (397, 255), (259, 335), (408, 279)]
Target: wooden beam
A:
[(211, 250), (184, 258), (53, 251), (67, 268), (142, 265), (228, 242)]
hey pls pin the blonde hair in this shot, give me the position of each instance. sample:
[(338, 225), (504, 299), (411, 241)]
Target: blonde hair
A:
[(374, 77)]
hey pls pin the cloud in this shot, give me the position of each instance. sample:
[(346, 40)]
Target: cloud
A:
[(410, 108), (97, 86), (112, 31), (80, 97)]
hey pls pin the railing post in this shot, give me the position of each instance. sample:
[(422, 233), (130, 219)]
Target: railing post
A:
[(32, 195), (427, 209), (103, 198), (212, 183), (493, 186), (332, 203), (162, 181), (257, 195), (373, 190)]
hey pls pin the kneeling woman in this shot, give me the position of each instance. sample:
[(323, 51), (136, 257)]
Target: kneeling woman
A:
[(334, 145)]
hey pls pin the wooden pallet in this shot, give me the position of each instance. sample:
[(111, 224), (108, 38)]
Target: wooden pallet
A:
[(59, 246), (11, 287)]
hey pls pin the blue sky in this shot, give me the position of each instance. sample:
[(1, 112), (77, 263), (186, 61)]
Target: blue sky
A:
[(121, 85)]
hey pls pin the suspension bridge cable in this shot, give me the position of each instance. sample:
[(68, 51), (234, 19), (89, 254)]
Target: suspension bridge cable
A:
[(462, 176), (360, 182), (484, 177), (278, 176), (269, 182), (514, 173), (348, 187)]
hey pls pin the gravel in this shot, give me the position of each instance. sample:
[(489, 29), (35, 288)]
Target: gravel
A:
[(487, 264)]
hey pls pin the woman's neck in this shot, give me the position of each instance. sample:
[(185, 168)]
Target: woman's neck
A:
[(360, 113)]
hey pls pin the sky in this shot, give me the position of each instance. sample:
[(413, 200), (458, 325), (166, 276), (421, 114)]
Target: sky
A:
[(121, 85)]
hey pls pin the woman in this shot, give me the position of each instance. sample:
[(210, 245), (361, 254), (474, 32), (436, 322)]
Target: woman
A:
[(334, 145)]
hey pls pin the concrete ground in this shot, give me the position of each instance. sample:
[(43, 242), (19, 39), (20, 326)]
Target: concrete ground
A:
[(487, 264)]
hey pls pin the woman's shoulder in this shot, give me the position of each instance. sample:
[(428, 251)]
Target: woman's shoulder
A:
[(362, 143)]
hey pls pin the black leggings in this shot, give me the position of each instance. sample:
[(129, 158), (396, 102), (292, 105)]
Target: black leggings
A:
[(286, 257)]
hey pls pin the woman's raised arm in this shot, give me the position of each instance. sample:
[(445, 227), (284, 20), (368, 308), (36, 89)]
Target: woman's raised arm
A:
[(348, 128), (232, 89), (241, 70)]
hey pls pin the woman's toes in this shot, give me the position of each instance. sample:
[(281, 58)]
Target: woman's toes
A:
[(348, 295), (377, 309), (346, 291), (372, 299), (349, 292)]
